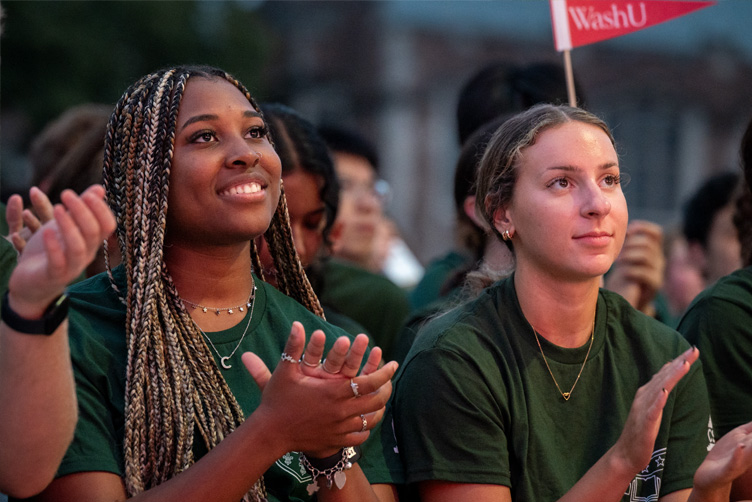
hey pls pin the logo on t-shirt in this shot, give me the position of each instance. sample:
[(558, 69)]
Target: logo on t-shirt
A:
[(646, 486), (711, 434)]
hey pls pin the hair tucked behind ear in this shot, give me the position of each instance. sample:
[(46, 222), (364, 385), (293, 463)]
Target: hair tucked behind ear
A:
[(497, 173), (173, 385)]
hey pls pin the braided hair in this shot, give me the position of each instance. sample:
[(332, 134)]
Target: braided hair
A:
[(173, 385)]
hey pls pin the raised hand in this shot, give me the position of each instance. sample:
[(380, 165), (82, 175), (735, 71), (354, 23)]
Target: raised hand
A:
[(638, 272), (59, 250), (730, 457), (22, 223), (316, 413), (340, 362), (635, 445)]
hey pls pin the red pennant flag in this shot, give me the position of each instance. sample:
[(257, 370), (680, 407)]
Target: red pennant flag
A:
[(582, 22)]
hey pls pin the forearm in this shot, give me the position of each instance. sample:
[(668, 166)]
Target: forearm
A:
[(37, 394), (229, 470), (606, 481)]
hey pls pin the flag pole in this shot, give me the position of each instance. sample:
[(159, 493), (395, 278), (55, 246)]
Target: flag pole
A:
[(570, 78)]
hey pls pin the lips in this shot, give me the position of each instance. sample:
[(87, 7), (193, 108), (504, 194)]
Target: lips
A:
[(595, 238)]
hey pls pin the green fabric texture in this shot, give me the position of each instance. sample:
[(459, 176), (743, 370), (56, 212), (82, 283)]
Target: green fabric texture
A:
[(370, 299), (428, 290), (719, 322), (7, 263), (474, 402), (98, 350), (7, 253)]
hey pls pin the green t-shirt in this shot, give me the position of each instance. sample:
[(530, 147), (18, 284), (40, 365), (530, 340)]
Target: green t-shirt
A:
[(474, 402), (8, 253), (719, 322), (429, 289), (99, 350), (8, 258), (370, 299)]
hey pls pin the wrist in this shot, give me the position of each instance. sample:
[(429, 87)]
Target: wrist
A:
[(30, 320), (29, 310)]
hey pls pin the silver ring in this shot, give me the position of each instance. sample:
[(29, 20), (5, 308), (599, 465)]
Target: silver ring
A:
[(303, 360), (323, 365), (287, 357), (354, 387), (365, 423)]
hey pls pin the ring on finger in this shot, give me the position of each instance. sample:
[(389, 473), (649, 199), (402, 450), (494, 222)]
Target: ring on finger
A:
[(365, 423), (323, 365), (287, 357), (312, 365), (354, 387)]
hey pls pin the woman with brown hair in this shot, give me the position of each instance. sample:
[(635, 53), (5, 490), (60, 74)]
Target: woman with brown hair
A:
[(547, 387)]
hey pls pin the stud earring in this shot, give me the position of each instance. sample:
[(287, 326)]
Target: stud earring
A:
[(505, 235)]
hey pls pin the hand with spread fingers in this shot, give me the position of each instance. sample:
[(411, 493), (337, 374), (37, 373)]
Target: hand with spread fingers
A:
[(60, 249), (23, 223), (320, 411)]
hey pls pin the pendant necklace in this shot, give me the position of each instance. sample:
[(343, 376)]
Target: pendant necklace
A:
[(565, 395), (250, 304)]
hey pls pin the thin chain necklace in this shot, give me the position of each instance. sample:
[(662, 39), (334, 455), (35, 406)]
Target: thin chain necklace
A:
[(223, 360), (218, 310), (565, 395)]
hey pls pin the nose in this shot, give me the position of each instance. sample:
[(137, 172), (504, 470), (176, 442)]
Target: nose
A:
[(241, 154), (595, 202)]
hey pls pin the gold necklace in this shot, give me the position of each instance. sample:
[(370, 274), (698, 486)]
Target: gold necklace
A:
[(565, 395)]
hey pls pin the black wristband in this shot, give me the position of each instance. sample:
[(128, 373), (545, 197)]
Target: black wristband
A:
[(53, 316), (323, 464)]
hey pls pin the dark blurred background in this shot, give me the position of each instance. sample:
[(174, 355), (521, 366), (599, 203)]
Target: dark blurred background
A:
[(678, 95)]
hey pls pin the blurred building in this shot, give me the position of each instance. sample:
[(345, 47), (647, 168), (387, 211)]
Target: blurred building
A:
[(677, 95)]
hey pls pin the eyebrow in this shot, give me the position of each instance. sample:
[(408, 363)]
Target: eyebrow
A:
[(209, 117), (569, 168)]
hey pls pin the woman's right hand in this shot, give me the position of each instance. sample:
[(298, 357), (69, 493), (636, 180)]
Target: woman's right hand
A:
[(635, 445), (317, 414), (23, 223)]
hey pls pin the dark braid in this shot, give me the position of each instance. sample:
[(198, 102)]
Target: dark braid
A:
[(173, 385)]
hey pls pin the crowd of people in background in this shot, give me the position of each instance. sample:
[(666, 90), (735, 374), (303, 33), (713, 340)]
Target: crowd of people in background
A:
[(205, 298)]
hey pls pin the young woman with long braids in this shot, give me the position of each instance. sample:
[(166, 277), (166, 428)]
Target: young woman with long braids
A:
[(167, 410), (546, 387)]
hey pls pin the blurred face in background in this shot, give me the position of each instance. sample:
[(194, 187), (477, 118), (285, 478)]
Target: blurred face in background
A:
[(307, 218), (723, 250), (360, 209)]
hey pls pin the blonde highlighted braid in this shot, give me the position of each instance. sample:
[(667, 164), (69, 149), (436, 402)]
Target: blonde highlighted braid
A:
[(173, 385)]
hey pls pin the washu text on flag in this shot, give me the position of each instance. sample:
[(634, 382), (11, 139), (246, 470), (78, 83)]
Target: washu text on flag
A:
[(582, 22)]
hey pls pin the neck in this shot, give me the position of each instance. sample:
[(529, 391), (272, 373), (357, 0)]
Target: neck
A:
[(218, 278), (561, 312), (497, 255)]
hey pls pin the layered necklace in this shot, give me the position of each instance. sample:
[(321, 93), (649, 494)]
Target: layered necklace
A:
[(565, 395), (223, 361)]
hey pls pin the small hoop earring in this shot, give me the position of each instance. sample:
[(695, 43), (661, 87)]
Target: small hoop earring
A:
[(505, 235)]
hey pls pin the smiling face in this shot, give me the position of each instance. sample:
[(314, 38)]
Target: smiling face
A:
[(224, 180), (568, 215)]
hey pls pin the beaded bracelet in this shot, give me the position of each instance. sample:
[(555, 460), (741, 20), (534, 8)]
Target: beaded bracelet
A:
[(332, 468)]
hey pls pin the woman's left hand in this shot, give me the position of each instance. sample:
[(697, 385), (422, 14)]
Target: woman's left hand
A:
[(729, 458), (322, 411)]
